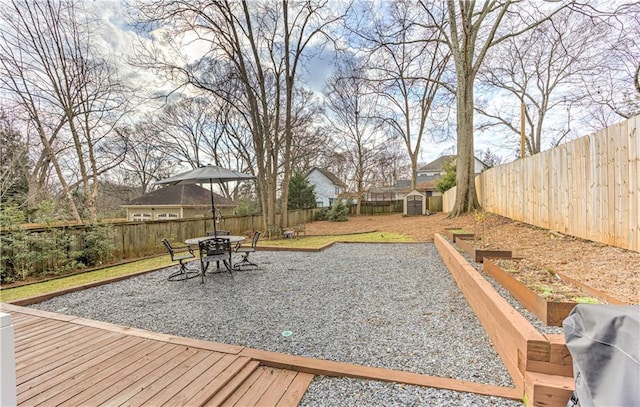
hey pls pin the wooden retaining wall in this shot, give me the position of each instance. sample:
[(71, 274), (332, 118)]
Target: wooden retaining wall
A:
[(588, 187), (540, 366)]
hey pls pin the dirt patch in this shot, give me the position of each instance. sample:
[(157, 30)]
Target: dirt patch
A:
[(544, 282), (609, 269)]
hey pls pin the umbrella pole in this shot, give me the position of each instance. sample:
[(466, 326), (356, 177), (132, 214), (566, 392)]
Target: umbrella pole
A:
[(213, 208)]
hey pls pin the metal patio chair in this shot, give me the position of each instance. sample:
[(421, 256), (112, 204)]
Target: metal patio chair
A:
[(245, 251), (215, 249), (180, 254)]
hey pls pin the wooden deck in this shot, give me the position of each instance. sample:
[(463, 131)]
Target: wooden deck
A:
[(72, 361), (66, 360)]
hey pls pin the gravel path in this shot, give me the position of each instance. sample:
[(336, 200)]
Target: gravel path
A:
[(393, 306)]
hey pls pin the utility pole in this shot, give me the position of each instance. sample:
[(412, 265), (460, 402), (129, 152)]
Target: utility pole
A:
[(522, 113)]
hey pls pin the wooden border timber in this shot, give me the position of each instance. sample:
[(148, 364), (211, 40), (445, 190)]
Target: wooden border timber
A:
[(452, 235), (479, 254), (340, 369), (550, 312), (593, 291), (523, 350)]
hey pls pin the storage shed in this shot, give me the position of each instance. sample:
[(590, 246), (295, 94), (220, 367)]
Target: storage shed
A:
[(415, 203)]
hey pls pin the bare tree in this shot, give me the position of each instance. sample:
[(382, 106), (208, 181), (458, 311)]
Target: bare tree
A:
[(188, 131), (470, 29), (614, 90), (14, 163), (352, 115), (145, 162), (68, 94), (259, 47), (542, 70), (407, 62)]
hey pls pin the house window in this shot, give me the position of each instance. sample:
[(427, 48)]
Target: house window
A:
[(141, 216), (167, 216), (319, 204)]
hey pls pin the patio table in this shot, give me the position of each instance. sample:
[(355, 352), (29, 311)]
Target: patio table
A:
[(195, 241)]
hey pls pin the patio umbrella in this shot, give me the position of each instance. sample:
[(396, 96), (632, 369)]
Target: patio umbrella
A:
[(208, 174)]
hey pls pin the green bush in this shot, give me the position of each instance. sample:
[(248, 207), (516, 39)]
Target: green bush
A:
[(322, 214), (301, 193), (338, 212), (448, 180), (25, 253), (97, 245)]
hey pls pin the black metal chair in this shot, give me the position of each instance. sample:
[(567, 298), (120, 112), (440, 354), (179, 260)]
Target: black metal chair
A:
[(180, 254), (245, 251), (215, 249)]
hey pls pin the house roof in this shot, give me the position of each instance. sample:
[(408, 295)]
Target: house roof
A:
[(420, 179), (335, 180), (437, 164), (181, 195)]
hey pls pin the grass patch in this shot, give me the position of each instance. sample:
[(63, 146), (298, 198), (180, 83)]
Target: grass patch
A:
[(12, 294), (315, 242)]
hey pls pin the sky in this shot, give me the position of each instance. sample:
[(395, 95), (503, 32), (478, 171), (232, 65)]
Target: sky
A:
[(120, 38)]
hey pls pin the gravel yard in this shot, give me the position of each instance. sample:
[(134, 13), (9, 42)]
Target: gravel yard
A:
[(384, 305)]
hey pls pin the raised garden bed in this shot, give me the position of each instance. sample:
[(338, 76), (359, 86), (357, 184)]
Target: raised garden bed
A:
[(477, 252), (540, 365), (540, 291), (454, 233)]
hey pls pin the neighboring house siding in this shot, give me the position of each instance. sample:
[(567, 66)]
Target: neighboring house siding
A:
[(479, 167), (326, 191)]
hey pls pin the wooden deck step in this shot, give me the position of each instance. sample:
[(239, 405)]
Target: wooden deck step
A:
[(546, 390), (227, 390), (268, 386)]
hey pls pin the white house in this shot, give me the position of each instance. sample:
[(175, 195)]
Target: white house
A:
[(436, 167), (327, 186)]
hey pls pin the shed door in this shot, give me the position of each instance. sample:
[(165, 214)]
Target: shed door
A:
[(414, 205)]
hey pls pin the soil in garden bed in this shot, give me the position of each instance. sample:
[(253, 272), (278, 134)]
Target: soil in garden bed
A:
[(544, 281)]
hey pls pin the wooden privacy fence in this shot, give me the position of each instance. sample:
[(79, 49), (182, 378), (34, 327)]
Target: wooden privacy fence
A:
[(377, 207), (138, 239), (586, 188)]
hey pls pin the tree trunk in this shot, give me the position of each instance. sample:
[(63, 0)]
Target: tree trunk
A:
[(466, 197)]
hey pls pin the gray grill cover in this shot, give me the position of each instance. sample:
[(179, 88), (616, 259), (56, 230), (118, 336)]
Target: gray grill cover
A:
[(604, 341)]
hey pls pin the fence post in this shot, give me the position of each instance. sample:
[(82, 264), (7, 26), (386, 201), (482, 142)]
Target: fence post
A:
[(7, 362)]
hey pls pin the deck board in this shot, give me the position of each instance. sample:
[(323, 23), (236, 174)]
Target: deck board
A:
[(59, 375), (208, 383), (225, 392), (117, 377), (126, 387), (173, 381), (296, 390), (275, 392), (40, 365)]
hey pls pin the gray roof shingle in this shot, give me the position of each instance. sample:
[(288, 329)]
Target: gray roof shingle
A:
[(182, 195)]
